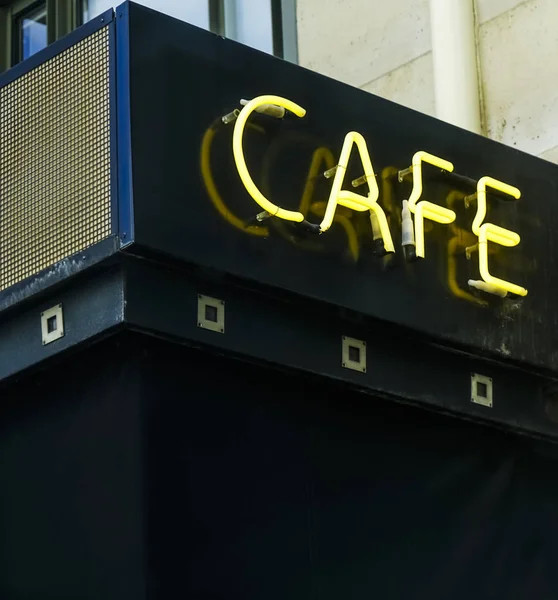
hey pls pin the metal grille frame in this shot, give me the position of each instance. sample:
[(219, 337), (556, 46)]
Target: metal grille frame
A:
[(58, 155)]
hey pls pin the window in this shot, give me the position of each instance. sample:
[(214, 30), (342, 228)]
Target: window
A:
[(30, 31), (27, 26), (250, 22), (195, 12), (268, 25), (257, 23)]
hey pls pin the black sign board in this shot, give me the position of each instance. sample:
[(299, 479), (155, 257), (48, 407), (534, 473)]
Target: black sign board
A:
[(187, 87)]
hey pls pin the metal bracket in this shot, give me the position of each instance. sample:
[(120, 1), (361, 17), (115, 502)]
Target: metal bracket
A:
[(481, 390), (211, 313), (353, 354), (52, 324)]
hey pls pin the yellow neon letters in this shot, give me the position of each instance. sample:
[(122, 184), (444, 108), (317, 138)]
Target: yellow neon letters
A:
[(489, 232), (213, 193), (354, 201), (424, 209), (249, 108), (339, 197)]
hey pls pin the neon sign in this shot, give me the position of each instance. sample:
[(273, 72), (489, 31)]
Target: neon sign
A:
[(415, 211)]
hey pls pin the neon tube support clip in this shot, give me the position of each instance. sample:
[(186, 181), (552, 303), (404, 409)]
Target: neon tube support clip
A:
[(271, 110), (232, 116), (402, 174), (330, 172)]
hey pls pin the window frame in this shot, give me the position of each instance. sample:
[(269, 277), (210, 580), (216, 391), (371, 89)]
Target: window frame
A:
[(6, 43), (16, 30), (63, 16), (289, 33), (222, 20), (80, 7), (217, 16)]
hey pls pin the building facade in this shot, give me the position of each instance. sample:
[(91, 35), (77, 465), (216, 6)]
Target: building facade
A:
[(224, 337), (385, 48), (27, 26)]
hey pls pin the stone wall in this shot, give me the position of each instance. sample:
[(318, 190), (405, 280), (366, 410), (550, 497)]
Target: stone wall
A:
[(385, 48)]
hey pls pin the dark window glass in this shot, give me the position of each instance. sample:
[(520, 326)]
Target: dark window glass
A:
[(31, 31), (82, 12)]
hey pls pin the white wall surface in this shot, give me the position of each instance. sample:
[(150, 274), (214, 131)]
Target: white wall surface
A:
[(489, 9), (384, 47), (359, 41), (518, 51), (411, 84)]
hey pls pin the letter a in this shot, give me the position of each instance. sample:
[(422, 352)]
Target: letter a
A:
[(357, 202)]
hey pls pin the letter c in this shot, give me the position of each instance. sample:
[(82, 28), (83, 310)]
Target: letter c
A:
[(238, 153)]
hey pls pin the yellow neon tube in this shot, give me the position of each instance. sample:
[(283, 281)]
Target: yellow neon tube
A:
[(418, 159), (460, 240), (351, 234), (433, 212), (238, 153), (215, 197), (482, 184), (319, 156), (351, 139), (343, 217), (487, 234), (384, 228), (424, 209), (352, 200)]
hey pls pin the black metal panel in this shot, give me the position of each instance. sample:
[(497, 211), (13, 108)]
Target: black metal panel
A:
[(300, 336), (185, 79), (71, 478), (268, 485), (58, 274), (92, 307), (140, 469)]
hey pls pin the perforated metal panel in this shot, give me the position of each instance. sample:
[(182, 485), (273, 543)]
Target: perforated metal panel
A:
[(55, 184)]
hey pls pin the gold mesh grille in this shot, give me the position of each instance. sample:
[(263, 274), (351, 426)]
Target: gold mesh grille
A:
[(55, 160)]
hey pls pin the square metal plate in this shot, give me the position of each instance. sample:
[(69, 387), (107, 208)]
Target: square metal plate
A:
[(481, 390), (353, 355), (52, 324), (211, 313)]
